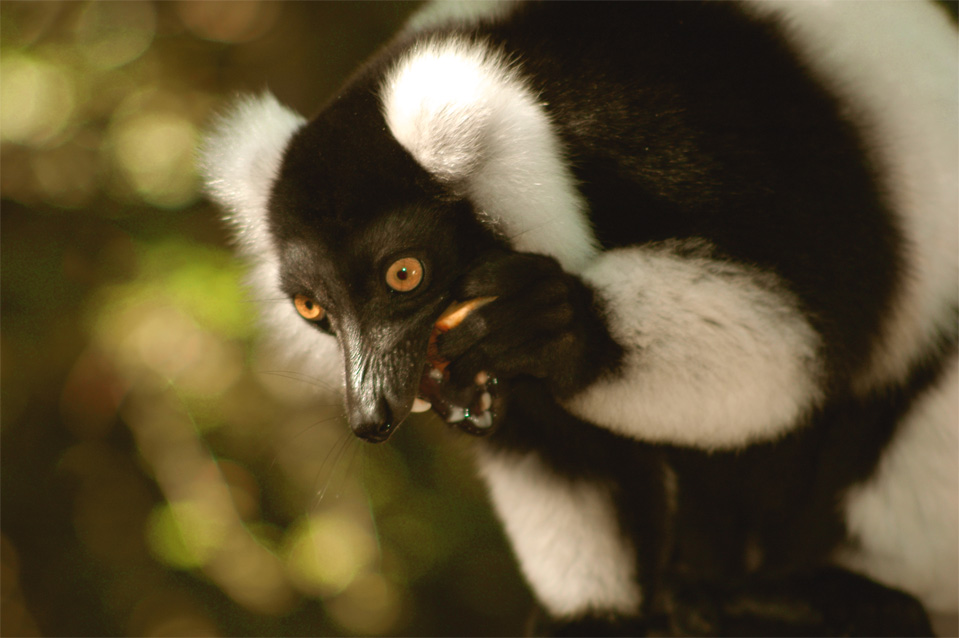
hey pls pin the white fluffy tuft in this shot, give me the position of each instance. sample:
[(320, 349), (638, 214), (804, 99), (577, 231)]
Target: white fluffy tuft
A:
[(240, 159), (287, 342), (566, 536), (466, 116), (718, 354), (904, 521), (442, 101)]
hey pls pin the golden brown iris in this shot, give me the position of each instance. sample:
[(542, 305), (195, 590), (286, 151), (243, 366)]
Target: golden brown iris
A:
[(405, 274), (308, 308)]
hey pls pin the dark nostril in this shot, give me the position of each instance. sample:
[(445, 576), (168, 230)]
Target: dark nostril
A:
[(376, 432), (376, 427)]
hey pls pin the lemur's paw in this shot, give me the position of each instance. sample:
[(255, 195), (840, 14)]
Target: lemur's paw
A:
[(541, 322)]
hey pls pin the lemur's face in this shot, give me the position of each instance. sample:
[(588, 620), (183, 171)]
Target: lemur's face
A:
[(377, 281), (370, 245)]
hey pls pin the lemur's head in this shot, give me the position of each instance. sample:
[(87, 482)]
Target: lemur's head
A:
[(365, 246), (370, 246), (363, 218)]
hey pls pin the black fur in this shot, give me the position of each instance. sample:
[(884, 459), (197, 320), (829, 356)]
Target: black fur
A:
[(704, 127), (721, 135)]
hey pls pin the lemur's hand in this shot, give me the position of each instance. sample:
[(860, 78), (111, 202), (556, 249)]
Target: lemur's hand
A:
[(543, 323)]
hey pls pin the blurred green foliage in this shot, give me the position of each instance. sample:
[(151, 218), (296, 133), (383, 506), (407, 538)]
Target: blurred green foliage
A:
[(158, 477)]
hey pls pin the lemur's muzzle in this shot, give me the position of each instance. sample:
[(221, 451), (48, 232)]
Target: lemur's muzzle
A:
[(383, 371), (387, 370)]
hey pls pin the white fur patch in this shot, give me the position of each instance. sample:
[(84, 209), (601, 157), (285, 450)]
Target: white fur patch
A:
[(565, 535), (718, 356), (287, 343), (904, 522), (240, 159), (465, 115), (894, 65)]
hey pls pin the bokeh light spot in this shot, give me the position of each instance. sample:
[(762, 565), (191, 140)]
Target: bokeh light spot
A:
[(326, 552), (36, 99), (111, 34), (228, 20), (251, 575), (154, 151), (177, 319), (183, 535)]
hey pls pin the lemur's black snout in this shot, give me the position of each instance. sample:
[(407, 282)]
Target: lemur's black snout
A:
[(382, 377), (376, 425)]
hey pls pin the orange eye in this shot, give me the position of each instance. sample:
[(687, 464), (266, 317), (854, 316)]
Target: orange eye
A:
[(308, 308), (405, 274)]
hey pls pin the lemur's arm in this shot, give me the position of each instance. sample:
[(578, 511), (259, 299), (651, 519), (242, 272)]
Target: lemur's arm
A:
[(716, 354), (662, 342)]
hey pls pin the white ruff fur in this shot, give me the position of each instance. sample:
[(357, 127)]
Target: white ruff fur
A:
[(240, 159), (895, 65), (565, 535), (719, 355), (905, 521), (287, 342), (464, 114)]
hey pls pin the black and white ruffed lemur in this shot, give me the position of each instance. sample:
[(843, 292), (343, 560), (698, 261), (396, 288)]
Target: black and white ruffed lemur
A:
[(717, 242)]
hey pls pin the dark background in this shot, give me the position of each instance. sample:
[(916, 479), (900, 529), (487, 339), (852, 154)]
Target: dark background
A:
[(159, 477)]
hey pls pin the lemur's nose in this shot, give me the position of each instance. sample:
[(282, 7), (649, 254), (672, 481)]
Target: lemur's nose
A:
[(373, 425), (373, 432)]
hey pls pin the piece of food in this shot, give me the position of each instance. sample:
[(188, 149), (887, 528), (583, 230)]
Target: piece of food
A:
[(451, 317)]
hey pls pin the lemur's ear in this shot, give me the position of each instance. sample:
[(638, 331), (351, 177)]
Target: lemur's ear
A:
[(464, 112), (240, 159)]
